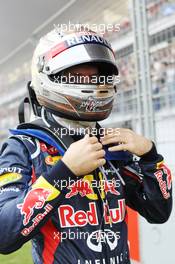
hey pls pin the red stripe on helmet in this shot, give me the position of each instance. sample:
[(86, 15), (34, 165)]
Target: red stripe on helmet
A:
[(56, 50)]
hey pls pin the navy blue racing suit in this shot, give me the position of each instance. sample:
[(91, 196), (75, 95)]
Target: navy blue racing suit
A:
[(75, 220)]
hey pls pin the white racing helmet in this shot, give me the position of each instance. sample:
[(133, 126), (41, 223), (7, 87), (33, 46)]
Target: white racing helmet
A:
[(59, 51)]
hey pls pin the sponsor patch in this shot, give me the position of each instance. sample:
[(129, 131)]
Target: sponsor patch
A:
[(43, 183), (69, 217), (85, 187), (49, 160), (51, 150), (75, 40), (108, 237), (38, 218), (10, 169), (167, 172), (35, 199), (10, 189), (42, 191), (9, 178), (163, 175)]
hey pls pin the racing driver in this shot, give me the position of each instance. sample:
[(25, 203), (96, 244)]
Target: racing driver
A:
[(65, 182)]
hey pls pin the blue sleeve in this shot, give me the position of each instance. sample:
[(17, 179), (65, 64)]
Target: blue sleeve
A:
[(148, 187), (25, 207)]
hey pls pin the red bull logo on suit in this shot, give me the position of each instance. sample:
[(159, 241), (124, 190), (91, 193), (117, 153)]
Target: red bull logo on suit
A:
[(71, 218), (35, 199)]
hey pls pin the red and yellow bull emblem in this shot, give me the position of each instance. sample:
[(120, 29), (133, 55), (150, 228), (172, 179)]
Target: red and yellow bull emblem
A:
[(84, 187), (80, 187), (41, 192), (35, 199)]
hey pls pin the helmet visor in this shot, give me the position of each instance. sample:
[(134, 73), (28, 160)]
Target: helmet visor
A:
[(84, 53)]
